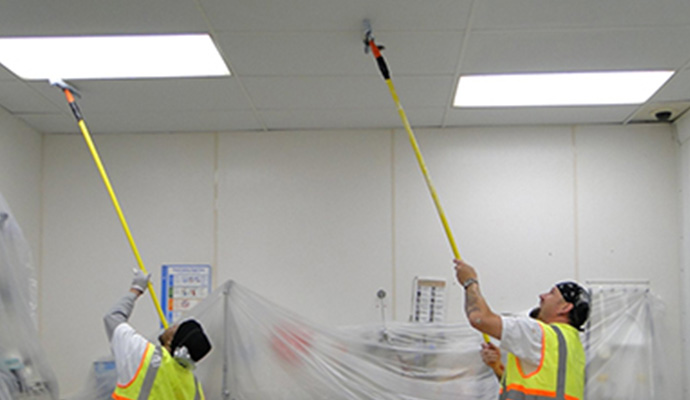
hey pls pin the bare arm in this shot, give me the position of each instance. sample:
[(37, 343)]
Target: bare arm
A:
[(477, 310)]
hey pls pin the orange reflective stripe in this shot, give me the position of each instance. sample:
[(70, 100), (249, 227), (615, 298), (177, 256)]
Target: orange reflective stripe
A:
[(534, 392), (118, 397), (141, 364), (541, 361), (556, 376)]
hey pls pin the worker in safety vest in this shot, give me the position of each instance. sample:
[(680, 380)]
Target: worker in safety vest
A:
[(545, 356), (148, 371)]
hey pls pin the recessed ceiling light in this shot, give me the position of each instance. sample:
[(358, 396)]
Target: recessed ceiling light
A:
[(112, 57), (558, 89)]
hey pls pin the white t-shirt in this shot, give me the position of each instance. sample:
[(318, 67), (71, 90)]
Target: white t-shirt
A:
[(128, 347), (522, 336)]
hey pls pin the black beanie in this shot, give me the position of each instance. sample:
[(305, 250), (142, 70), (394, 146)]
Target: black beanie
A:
[(579, 298), (191, 335)]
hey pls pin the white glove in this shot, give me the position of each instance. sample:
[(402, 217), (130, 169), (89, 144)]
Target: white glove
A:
[(140, 281)]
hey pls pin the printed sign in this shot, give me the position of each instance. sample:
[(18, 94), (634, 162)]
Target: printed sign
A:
[(428, 298), (183, 287)]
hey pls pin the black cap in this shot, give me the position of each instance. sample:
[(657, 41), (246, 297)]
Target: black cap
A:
[(191, 335), (579, 298)]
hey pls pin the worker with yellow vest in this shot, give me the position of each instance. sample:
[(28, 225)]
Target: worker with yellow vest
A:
[(545, 355), (148, 371)]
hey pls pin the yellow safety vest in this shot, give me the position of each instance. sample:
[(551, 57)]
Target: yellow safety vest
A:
[(160, 377), (560, 374)]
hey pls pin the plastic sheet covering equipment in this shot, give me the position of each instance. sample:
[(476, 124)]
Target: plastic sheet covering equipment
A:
[(24, 372), (272, 353), (100, 381), (624, 344), (262, 351)]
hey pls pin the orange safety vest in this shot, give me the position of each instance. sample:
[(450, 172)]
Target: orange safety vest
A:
[(560, 374), (160, 377)]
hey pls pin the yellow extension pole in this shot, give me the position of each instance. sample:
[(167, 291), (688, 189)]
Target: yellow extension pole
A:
[(413, 141), (425, 171), (94, 153)]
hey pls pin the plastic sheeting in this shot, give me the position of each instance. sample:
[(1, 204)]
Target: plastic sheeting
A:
[(262, 351), (624, 345), (272, 353), (100, 381), (24, 373)]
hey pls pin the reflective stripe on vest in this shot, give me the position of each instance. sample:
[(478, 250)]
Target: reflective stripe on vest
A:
[(142, 385), (510, 390), (151, 373)]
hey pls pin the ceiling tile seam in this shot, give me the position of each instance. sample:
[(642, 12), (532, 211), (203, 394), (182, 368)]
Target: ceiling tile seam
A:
[(349, 108), (582, 29), (358, 32), (59, 109), (348, 75), (458, 66), (245, 92)]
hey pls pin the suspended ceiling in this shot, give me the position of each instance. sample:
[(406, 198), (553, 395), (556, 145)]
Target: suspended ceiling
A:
[(300, 64)]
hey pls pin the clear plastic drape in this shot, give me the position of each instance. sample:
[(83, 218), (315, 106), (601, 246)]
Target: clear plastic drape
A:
[(275, 354), (624, 345), (271, 353), (262, 351), (24, 372)]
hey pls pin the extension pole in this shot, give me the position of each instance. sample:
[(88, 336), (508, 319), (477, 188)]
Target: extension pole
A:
[(69, 94), (383, 67), (413, 141)]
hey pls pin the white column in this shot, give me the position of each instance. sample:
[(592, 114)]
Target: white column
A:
[(683, 133)]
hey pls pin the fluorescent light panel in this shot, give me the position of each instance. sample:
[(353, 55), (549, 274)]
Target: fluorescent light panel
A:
[(558, 89), (112, 57)]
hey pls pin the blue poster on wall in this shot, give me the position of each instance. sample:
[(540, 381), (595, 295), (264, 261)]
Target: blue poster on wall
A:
[(183, 286)]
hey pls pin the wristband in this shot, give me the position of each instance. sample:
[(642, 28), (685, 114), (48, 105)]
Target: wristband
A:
[(468, 282)]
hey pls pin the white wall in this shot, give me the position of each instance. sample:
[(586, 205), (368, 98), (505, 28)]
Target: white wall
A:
[(305, 219), (508, 195), (319, 221)]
